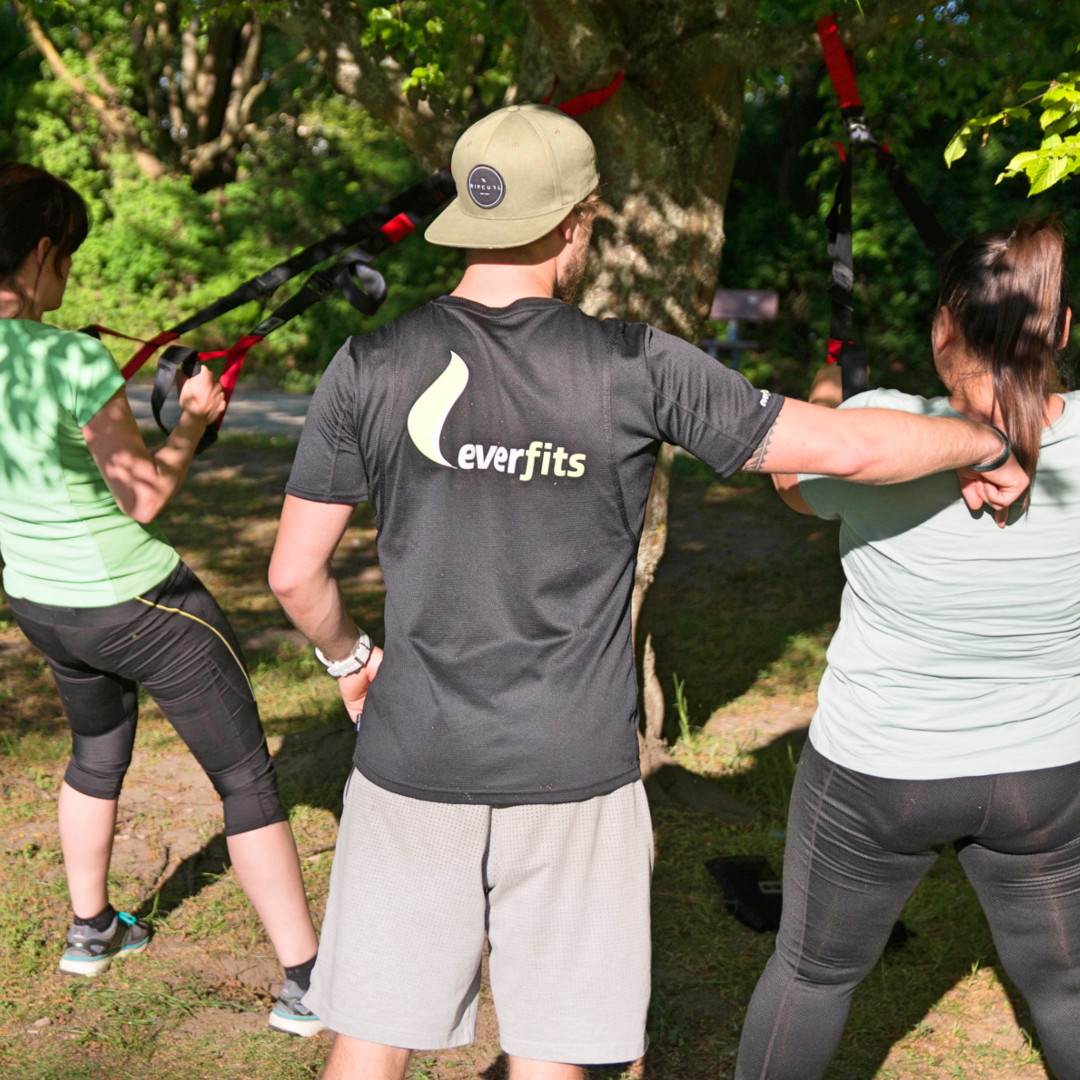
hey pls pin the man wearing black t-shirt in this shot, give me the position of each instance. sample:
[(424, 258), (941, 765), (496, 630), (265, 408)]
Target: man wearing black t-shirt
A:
[(507, 443)]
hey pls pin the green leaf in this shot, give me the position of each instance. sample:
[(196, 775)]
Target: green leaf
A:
[(1059, 127), (957, 147), (1036, 85), (1055, 169)]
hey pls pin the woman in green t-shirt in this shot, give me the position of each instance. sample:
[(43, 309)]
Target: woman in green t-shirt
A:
[(93, 583)]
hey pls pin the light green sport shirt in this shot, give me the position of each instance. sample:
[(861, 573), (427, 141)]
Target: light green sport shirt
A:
[(958, 650), (63, 539)]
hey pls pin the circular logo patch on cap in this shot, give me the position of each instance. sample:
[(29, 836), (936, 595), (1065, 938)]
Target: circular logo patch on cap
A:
[(486, 187)]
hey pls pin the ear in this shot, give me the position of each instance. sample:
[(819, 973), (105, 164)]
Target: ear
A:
[(943, 330), (568, 226), (41, 252), (1063, 343)]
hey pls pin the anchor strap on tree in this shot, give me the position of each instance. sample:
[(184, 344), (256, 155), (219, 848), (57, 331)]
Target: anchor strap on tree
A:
[(842, 348)]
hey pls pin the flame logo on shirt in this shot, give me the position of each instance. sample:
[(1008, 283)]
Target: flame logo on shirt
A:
[(428, 415), (432, 407)]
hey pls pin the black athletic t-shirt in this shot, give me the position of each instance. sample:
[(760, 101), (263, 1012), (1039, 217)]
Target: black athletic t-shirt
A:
[(508, 454)]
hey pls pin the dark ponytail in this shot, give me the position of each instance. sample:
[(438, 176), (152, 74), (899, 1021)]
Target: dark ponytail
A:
[(33, 204), (1008, 295)]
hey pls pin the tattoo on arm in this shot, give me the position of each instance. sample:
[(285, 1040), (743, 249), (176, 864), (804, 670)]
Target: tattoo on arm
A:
[(756, 461)]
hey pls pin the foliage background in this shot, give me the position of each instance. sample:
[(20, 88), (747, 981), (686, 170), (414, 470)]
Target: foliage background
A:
[(311, 159)]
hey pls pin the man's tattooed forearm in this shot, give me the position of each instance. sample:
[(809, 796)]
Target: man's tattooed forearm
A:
[(756, 462)]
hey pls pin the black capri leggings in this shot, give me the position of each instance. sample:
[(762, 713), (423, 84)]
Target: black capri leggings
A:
[(858, 845), (176, 642)]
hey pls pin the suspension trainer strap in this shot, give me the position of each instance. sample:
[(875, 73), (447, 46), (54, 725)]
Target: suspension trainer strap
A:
[(366, 297), (375, 231), (174, 359), (925, 221), (842, 348), (583, 103)]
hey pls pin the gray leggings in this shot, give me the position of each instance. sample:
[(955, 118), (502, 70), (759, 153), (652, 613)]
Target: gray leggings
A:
[(858, 845)]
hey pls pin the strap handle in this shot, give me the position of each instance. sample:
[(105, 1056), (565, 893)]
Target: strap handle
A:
[(174, 359)]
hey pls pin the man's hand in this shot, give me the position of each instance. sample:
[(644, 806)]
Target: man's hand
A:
[(998, 489), (354, 688)]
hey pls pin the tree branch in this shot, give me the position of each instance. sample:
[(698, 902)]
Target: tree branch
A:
[(114, 120), (424, 124)]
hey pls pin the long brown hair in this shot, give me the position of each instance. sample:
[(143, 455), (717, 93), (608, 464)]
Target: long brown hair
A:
[(1008, 295), (34, 204)]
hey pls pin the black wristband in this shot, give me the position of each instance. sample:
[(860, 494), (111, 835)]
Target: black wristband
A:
[(1006, 450)]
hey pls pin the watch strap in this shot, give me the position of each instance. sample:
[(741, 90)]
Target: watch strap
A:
[(354, 662)]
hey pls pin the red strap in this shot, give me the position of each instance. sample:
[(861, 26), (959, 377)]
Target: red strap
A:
[(839, 62), (583, 103), (397, 228), (833, 353), (235, 356), (148, 347)]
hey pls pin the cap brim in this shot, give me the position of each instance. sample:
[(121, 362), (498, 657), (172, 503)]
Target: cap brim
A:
[(456, 228)]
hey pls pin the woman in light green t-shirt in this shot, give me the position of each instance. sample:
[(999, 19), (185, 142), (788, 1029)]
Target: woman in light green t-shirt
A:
[(950, 709), (93, 583)]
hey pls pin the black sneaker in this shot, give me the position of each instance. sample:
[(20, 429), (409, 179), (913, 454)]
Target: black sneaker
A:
[(90, 951), (291, 1015)]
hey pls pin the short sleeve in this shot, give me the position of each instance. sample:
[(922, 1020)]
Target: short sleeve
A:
[(85, 375), (329, 466), (827, 496), (703, 406)]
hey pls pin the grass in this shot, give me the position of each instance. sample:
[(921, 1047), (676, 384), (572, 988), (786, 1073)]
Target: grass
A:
[(742, 609)]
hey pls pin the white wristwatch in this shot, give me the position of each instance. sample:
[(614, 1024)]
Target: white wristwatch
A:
[(352, 663)]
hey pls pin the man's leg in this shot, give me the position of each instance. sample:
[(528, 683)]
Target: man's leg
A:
[(352, 1059), (527, 1069), (568, 929), (403, 935)]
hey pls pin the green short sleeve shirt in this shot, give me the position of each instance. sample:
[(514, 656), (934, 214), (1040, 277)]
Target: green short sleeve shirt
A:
[(63, 539)]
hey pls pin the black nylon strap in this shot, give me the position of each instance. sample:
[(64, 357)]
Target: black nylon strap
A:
[(853, 363), (925, 221), (841, 67), (177, 358), (418, 202), (838, 224)]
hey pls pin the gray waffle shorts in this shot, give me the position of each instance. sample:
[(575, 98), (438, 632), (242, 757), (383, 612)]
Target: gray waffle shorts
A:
[(561, 889)]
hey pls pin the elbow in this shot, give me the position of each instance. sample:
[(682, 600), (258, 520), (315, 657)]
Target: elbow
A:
[(283, 583), (848, 462), (144, 510)]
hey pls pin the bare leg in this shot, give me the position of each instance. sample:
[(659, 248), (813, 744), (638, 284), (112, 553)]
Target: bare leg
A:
[(526, 1069), (86, 836), (268, 870), (353, 1059)]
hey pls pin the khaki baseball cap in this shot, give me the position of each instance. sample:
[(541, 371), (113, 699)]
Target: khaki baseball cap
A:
[(519, 172)]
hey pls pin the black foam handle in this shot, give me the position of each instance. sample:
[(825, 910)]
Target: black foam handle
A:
[(367, 292)]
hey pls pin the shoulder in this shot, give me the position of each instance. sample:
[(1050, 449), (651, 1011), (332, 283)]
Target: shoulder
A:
[(884, 398)]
